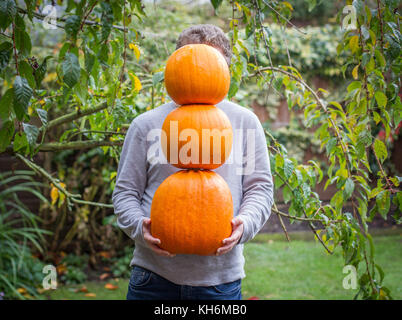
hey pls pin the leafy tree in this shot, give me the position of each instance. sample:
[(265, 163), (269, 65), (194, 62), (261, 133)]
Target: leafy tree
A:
[(99, 74), (373, 61)]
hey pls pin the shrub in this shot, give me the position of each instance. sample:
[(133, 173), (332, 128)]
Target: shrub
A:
[(20, 271)]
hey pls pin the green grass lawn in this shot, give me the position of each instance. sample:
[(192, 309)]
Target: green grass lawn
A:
[(276, 269)]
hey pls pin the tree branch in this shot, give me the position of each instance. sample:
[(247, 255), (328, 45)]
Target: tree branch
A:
[(69, 196), (74, 115), (41, 16), (77, 145)]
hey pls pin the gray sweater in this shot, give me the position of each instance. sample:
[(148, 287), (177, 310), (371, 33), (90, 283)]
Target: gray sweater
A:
[(143, 168)]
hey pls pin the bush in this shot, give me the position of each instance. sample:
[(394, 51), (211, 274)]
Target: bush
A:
[(121, 265), (20, 271)]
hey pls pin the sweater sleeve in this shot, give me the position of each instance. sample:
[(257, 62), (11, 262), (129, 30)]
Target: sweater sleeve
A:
[(258, 187), (131, 181)]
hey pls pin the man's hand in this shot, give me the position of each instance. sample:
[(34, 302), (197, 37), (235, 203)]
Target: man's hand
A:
[(237, 232), (152, 242)]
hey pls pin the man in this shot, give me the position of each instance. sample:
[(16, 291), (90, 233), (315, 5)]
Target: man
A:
[(156, 273)]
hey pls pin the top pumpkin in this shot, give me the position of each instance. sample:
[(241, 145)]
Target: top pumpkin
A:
[(197, 73)]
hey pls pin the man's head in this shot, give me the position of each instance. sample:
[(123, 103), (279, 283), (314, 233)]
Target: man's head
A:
[(206, 34)]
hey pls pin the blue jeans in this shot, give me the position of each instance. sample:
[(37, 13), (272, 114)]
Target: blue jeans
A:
[(147, 285)]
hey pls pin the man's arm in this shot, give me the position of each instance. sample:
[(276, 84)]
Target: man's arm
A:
[(131, 181), (258, 187)]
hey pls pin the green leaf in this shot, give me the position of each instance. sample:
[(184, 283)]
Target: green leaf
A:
[(8, 10), (106, 20), (39, 73), (72, 26), (157, 77), (320, 173), (216, 3), (31, 132), (354, 85), (330, 145), (30, 5), (349, 187), (6, 49), (22, 38), (6, 135), (103, 55), (311, 5), (381, 272), (383, 201), (26, 72), (365, 137), (380, 150), (381, 98), (370, 65), (287, 194), (365, 58), (337, 200), (20, 142), (288, 168), (380, 58), (22, 95), (365, 32), (89, 60), (336, 104), (63, 50), (233, 89), (6, 104), (397, 200), (376, 117), (71, 69), (42, 116)]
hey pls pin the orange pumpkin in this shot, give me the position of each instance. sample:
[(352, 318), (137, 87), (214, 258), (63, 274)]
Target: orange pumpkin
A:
[(191, 212), (197, 137), (197, 73)]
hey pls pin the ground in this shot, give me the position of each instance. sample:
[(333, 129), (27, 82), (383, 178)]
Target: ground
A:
[(276, 269)]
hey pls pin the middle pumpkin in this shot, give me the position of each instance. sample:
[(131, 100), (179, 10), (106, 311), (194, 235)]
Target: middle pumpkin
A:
[(197, 137)]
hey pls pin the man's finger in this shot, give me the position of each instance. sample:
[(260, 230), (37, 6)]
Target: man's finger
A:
[(223, 250), (234, 237), (160, 251), (146, 222), (237, 221), (148, 237)]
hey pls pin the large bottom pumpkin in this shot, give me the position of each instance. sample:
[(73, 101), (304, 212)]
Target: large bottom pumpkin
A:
[(191, 212)]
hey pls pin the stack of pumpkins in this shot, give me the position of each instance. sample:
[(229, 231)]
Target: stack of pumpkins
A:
[(191, 211)]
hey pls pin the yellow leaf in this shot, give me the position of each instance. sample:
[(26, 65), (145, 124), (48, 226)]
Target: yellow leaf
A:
[(22, 290), (136, 50), (54, 194), (355, 72), (105, 254), (136, 82), (50, 77), (287, 4), (110, 286), (354, 43), (238, 6), (90, 294), (103, 276), (82, 289)]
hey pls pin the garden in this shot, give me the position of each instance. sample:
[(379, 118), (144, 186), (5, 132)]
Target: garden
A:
[(323, 78)]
